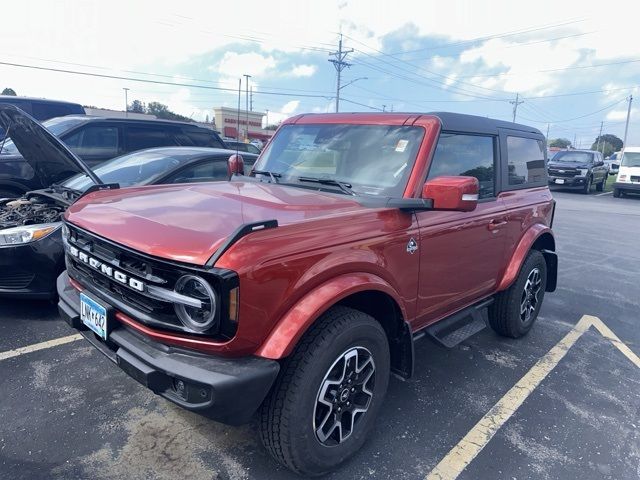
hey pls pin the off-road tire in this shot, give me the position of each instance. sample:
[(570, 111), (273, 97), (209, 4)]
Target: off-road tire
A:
[(617, 192), (504, 313), (287, 415)]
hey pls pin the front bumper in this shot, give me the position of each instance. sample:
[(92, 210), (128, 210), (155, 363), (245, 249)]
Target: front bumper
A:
[(30, 271), (228, 390), (627, 187), (569, 182)]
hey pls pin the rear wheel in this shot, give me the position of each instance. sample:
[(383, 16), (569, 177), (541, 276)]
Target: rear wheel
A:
[(328, 394), (515, 310)]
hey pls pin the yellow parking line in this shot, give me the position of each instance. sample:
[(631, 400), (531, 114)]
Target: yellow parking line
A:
[(39, 346), (482, 432)]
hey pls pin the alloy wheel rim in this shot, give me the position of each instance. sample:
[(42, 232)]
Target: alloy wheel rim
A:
[(529, 301), (344, 396)]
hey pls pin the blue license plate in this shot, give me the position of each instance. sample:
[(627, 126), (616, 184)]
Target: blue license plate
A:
[(93, 315)]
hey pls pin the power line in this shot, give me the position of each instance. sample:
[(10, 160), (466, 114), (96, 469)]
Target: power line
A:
[(156, 82), (577, 118), (489, 37)]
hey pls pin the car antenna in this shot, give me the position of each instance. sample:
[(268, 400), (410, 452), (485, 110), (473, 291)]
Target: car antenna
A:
[(238, 124)]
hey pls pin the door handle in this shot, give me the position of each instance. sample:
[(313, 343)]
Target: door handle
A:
[(496, 224)]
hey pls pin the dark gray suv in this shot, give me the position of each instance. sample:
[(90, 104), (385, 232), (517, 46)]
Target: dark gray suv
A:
[(97, 139)]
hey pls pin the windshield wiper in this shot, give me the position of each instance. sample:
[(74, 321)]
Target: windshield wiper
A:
[(345, 187), (274, 176)]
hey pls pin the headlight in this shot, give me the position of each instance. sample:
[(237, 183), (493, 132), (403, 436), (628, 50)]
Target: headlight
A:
[(26, 233), (200, 318), (583, 172)]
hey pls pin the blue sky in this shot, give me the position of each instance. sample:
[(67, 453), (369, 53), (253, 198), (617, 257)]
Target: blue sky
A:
[(570, 63)]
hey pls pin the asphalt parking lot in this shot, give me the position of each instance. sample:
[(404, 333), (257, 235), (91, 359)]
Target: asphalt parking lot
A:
[(67, 412)]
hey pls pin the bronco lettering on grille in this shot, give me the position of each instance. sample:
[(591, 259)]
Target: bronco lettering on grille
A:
[(107, 270)]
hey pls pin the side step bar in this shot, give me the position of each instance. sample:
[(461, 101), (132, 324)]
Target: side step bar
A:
[(455, 329)]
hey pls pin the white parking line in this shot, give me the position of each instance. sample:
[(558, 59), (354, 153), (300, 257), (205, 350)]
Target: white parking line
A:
[(39, 346), (460, 456), (605, 193)]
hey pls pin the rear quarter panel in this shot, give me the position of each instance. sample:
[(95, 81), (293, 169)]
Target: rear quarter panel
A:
[(529, 213)]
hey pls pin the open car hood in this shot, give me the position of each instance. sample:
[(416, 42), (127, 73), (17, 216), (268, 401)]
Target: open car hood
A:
[(48, 156)]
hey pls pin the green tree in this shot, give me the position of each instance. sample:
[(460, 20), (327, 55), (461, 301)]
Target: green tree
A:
[(560, 142), (9, 91), (160, 110), (612, 140), (606, 148), (137, 107)]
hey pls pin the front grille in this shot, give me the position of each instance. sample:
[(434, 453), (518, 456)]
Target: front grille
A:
[(563, 173), (152, 272), (15, 280), (635, 178)]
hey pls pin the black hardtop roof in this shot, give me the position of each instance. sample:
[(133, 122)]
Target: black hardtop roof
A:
[(460, 122), (16, 99)]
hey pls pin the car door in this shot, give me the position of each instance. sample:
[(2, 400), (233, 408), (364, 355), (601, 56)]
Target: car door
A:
[(95, 142), (461, 254)]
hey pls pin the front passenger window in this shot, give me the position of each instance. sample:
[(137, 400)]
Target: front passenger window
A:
[(466, 155)]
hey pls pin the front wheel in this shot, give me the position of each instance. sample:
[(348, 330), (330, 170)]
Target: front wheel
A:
[(617, 192), (514, 310), (328, 394), (587, 185), (600, 186)]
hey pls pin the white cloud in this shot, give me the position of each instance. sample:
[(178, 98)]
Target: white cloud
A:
[(621, 114), (303, 70), (234, 65), (290, 107)]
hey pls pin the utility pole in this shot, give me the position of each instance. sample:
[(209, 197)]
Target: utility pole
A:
[(339, 64), (574, 141), (384, 107), (246, 91), (626, 127), (600, 138), (515, 104), (251, 99), (126, 102), (239, 97), (548, 132)]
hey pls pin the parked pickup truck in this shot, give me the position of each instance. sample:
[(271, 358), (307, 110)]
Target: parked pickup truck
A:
[(295, 291)]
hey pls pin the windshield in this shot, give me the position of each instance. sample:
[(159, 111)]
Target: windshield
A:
[(573, 157), (57, 126), (132, 169), (372, 159), (630, 159)]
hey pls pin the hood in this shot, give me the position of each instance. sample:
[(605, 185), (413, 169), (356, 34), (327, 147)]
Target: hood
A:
[(188, 223), (49, 157)]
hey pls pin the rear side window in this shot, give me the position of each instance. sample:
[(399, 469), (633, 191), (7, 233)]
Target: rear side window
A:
[(209, 171), (44, 111), (202, 138), (525, 162), (466, 155), (139, 138), (91, 140)]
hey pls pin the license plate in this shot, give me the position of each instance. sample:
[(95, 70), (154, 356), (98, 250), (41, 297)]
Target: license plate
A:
[(93, 315), (559, 180)]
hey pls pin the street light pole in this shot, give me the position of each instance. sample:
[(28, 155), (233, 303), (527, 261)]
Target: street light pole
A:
[(246, 88), (126, 102), (626, 127)]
